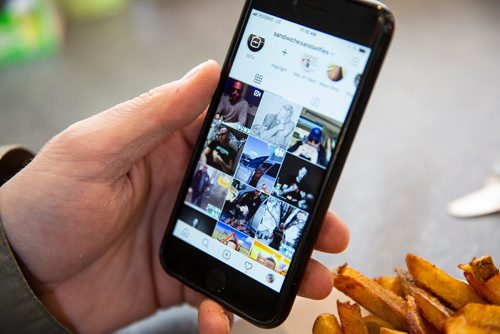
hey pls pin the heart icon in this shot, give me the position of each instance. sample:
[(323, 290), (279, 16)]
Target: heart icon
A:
[(248, 265)]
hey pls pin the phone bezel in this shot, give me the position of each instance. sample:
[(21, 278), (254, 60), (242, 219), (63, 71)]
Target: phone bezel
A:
[(248, 298)]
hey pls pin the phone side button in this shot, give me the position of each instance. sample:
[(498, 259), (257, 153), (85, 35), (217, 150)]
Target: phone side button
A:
[(216, 280)]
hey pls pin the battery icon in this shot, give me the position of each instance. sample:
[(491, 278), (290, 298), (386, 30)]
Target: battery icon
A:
[(362, 50)]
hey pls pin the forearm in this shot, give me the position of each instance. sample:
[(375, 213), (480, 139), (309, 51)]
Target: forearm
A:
[(290, 189), (20, 309), (227, 168), (266, 134)]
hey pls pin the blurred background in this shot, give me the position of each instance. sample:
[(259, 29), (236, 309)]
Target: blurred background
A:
[(430, 134)]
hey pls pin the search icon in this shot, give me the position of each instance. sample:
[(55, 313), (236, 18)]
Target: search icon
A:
[(205, 242)]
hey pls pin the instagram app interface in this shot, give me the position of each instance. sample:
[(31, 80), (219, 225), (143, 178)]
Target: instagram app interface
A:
[(275, 130)]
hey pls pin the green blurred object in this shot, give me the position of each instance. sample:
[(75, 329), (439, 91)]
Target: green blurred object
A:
[(29, 29), (92, 9)]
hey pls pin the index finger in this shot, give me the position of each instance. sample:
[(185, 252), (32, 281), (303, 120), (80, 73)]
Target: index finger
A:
[(334, 234)]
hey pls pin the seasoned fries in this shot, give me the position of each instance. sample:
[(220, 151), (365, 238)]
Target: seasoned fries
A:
[(430, 307), (484, 277), (423, 300), (350, 318), (383, 303), (390, 283), (413, 317), (327, 324), (459, 325), (453, 292), (483, 268), (374, 324), (384, 330), (482, 315)]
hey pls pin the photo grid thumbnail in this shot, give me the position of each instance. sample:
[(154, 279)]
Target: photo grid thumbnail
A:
[(208, 189), (223, 147), (232, 238), (275, 120), (241, 207), (238, 105), (281, 226), (298, 183), (269, 258), (196, 219), (259, 164), (314, 138)]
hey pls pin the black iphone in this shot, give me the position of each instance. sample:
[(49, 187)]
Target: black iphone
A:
[(292, 92)]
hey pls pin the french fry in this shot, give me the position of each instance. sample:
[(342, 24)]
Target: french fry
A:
[(413, 317), (421, 301), (487, 316), (429, 306), (390, 283), (493, 285), (373, 324), (484, 277), (326, 324), (384, 330), (459, 325), (350, 318), (491, 294), (381, 302), (450, 290), (483, 268)]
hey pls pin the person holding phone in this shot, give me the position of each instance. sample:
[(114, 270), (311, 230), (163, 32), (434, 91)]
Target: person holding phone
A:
[(82, 223)]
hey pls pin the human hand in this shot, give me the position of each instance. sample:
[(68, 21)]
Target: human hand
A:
[(328, 145), (280, 127), (217, 159), (85, 218)]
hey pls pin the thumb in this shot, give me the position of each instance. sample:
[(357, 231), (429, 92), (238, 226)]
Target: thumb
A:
[(213, 318), (130, 130)]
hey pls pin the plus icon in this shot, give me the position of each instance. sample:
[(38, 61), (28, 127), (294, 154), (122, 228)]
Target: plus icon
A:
[(285, 52)]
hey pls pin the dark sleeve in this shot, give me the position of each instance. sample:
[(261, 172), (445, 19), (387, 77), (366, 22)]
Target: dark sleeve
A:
[(233, 154), (20, 309), (295, 146), (212, 145), (322, 156)]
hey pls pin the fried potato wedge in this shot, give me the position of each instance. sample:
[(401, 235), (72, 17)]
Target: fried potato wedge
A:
[(350, 318), (390, 283), (374, 324), (484, 277), (451, 291), (429, 306), (326, 324), (381, 302), (493, 285), (490, 290), (483, 268), (459, 325), (416, 326), (487, 316), (384, 330)]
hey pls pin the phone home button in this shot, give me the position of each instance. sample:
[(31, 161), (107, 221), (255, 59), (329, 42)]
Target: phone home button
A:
[(216, 280)]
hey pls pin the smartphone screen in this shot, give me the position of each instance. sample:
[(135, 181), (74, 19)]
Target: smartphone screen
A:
[(274, 133), (270, 153)]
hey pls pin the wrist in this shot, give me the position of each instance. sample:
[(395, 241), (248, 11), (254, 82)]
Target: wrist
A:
[(20, 310)]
